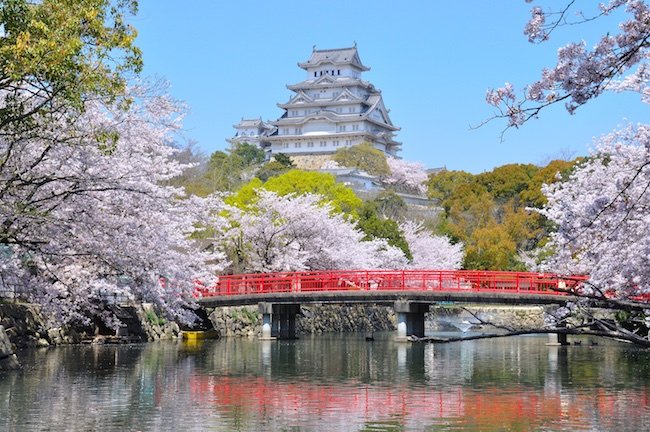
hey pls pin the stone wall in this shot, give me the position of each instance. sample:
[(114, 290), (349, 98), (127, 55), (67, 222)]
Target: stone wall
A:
[(246, 321), (25, 326), (310, 162), (8, 359), (345, 318), (450, 317)]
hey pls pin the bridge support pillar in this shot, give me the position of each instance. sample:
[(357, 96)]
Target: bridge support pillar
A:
[(266, 309), (556, 338), (410, 319), (278, 320)]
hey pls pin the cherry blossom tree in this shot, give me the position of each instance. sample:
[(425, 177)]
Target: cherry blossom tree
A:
[(430, 251), (618, 62), (299, 232), (87, 217), (602, 214), (406, 176)]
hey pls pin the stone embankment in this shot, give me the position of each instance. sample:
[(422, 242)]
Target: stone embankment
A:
[(474, 317), (25, 326), (245, 321), (8, 359)]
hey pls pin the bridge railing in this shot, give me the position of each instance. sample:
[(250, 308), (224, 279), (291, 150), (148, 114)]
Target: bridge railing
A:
[(391, 280)]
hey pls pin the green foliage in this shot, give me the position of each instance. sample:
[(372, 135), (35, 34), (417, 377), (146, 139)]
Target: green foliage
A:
[(224, 172), (280, 164), (487, 212), (364, 157), (65, 50), (375, 226), (284, 160), (271, 169), (154, 319), (342, 198), (390, 205), (532, 196), (250, 154), (507, 181), (444, 184)]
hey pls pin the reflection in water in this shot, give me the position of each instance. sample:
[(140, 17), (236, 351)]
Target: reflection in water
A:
[(330, 383)]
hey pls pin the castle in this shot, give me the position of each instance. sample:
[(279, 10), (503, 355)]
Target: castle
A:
[(332, 108)]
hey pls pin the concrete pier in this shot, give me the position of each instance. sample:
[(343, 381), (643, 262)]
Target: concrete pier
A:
[(278, 320), (410, 318), (557, 339)]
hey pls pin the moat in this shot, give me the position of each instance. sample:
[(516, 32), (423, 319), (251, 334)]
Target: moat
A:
[(331, 382)]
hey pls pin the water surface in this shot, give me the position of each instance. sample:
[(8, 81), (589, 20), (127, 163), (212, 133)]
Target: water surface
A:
[(331, 382)]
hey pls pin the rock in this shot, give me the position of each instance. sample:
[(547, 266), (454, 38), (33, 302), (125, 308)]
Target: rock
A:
[(10, 363), (8, 359), (42, 343)]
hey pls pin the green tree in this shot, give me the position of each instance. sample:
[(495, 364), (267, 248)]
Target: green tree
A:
[(250, 154), (443, 184), (390, 205), (364, 157), (299, 182), (374, 226), (280, 164), (64, 52), (284, 160), (490, 247), (507, 181), (489, 212)]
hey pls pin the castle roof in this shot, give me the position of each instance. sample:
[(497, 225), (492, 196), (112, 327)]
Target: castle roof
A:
[(336, 57), (249, 123), (338, 118), (327, 81)]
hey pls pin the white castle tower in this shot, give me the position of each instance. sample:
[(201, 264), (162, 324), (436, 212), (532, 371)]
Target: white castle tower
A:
[(332, 108)]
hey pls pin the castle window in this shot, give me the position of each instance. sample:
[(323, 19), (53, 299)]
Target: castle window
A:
[(314, 73), (285, 131), (297, 145), (310, 144), (323, 143), (297, 131), (338, 72), (355, 127), (336, 143)]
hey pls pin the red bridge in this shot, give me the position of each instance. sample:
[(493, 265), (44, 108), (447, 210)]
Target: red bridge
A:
[(386, 286), (410, 292)]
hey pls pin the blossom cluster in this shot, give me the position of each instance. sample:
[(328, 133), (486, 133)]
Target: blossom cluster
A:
[(602, 214), (301, 232), (406, 176), (88, 217)]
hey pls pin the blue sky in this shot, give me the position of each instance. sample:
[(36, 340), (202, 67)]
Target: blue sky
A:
[(432, 60)]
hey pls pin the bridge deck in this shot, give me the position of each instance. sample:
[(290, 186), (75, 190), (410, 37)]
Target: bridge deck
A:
[(385, 287)]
